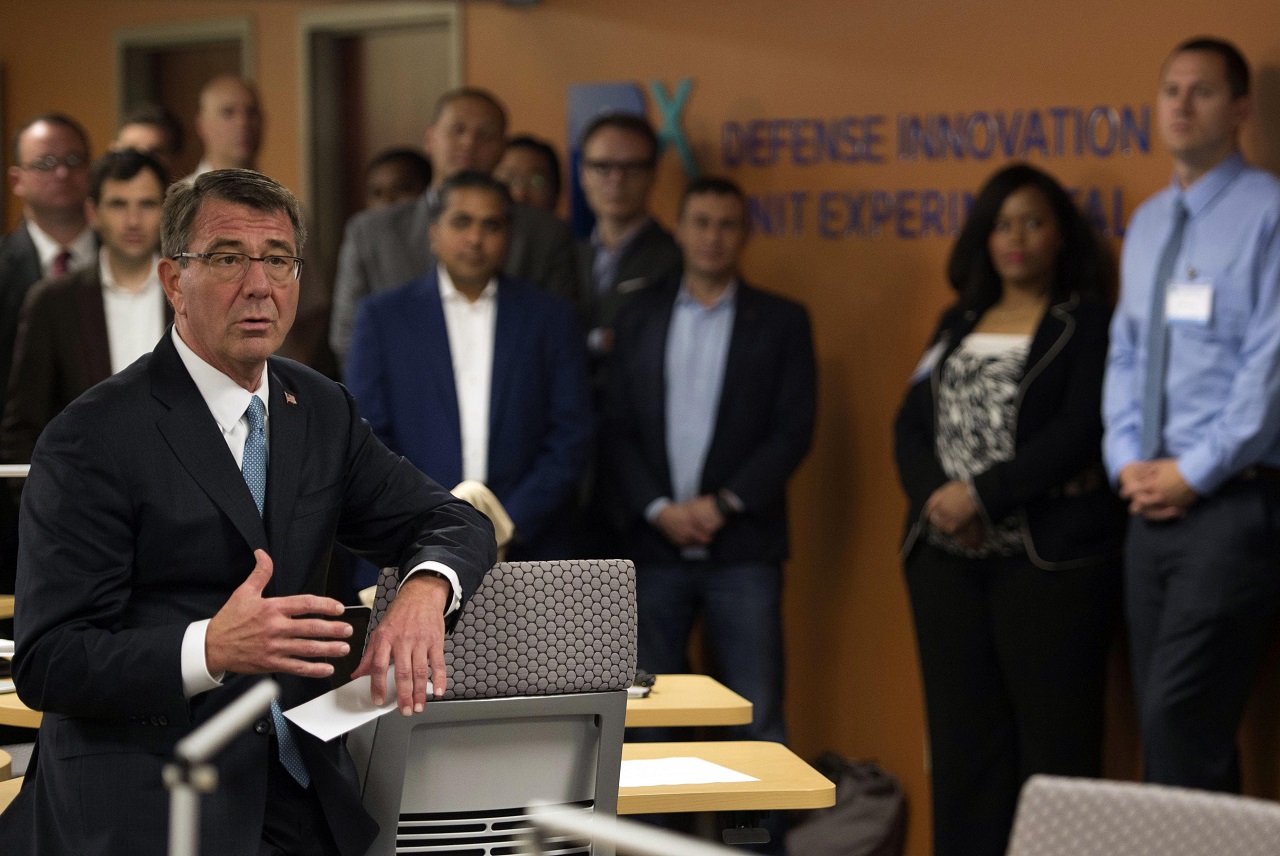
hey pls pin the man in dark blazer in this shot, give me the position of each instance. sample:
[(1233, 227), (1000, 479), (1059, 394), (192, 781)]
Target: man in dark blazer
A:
[(628, 249), (158, 578), (80, 328), (388, 247), (709, 409), (420, 368), (50, 175)]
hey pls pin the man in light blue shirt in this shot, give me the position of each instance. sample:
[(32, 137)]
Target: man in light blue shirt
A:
[(709, 409), (1192, 410)]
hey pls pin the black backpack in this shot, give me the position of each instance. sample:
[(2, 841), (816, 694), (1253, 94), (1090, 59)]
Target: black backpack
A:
[(868, 819)]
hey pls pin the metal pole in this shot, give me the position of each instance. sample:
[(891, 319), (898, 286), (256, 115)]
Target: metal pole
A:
[(191, 774)]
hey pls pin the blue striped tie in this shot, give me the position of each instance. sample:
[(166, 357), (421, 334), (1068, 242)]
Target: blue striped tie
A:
[(1158, 341), (254, 468)]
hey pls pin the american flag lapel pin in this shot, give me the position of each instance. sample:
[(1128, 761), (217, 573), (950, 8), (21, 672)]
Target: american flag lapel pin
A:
[(288, 396)]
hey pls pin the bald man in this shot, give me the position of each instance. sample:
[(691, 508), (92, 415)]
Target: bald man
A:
[(229, 125)]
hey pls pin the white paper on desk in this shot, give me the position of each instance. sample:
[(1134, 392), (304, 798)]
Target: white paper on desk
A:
[(6, 648), (349, 706), (677, 771)]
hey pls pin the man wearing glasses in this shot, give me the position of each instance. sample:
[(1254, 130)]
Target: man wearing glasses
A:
[(176, 531), (50, 174), (628, 249)]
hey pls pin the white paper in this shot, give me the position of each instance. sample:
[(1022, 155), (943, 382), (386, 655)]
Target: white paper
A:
[(349, 706), (6, 648), (1189, 303), (677, 771)]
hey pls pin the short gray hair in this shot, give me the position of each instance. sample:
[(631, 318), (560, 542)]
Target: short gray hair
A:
[(244, 187)]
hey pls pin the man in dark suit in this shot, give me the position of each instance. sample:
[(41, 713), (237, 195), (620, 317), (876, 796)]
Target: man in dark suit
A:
[(388, 247), (628, 249), (80, 328), (474, 375), (709, 409), (50, 174), (175, 534)]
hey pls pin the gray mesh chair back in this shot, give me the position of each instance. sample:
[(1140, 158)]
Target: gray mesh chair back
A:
[(539, 664), (1086, 817)]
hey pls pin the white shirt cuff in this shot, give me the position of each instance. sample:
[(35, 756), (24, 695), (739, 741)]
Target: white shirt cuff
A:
[(653, 509), (446, 572), (195, 669)]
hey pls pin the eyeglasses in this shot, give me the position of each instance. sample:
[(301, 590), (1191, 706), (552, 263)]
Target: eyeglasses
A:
[(227, 267), (626, 169), (49, 163)]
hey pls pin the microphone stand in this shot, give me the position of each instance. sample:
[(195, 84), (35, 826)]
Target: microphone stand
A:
[(190, 773)]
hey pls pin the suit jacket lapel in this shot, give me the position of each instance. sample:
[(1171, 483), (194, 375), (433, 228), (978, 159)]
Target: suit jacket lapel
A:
[(431, 343), (653, 368), (95, 353), (746, 321), (197, 442), (510, 329), (419, 243), (287, 421), (26, 257)]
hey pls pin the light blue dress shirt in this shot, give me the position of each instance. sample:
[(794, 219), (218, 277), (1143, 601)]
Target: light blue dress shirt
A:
[(694, 364), (1222, 385), (697, 352)]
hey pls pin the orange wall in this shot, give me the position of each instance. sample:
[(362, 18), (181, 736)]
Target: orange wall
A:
[(853, 681)]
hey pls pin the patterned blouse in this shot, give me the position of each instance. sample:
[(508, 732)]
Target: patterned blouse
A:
[(977, 412)]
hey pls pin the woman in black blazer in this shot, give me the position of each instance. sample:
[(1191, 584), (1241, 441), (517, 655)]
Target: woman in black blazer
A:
[(1013, 535)]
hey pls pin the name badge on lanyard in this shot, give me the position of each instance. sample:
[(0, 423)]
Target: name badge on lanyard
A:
[(1189, 303)]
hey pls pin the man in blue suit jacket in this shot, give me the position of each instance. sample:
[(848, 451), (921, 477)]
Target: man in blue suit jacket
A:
[(472, 375)]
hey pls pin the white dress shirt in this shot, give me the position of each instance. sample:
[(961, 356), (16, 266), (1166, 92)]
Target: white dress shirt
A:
[(82, 249), (470, 329), (135, 319), (227, 402)]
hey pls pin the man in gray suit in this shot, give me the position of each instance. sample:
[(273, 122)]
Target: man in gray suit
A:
[(389, 246)]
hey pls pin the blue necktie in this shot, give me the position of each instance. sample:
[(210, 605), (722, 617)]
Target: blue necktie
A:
[(254, 467), (1158, 341)]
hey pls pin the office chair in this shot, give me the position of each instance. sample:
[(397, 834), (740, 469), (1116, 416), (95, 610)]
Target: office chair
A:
[(539, 664), (1060, 816)]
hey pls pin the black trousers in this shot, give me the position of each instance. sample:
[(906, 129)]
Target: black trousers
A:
[(294, 823), (1013, 660), (1201, 595)]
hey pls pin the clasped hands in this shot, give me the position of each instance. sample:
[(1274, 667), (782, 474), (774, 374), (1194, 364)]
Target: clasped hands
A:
[(951, 510), (693, 523), (1156, 489), (252, 634)]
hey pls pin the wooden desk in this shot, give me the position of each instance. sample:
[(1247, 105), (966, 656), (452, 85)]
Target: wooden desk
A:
[(6, 765), (6, 606), (14, 712), (786, 782), (688, 700), (9, 790)]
